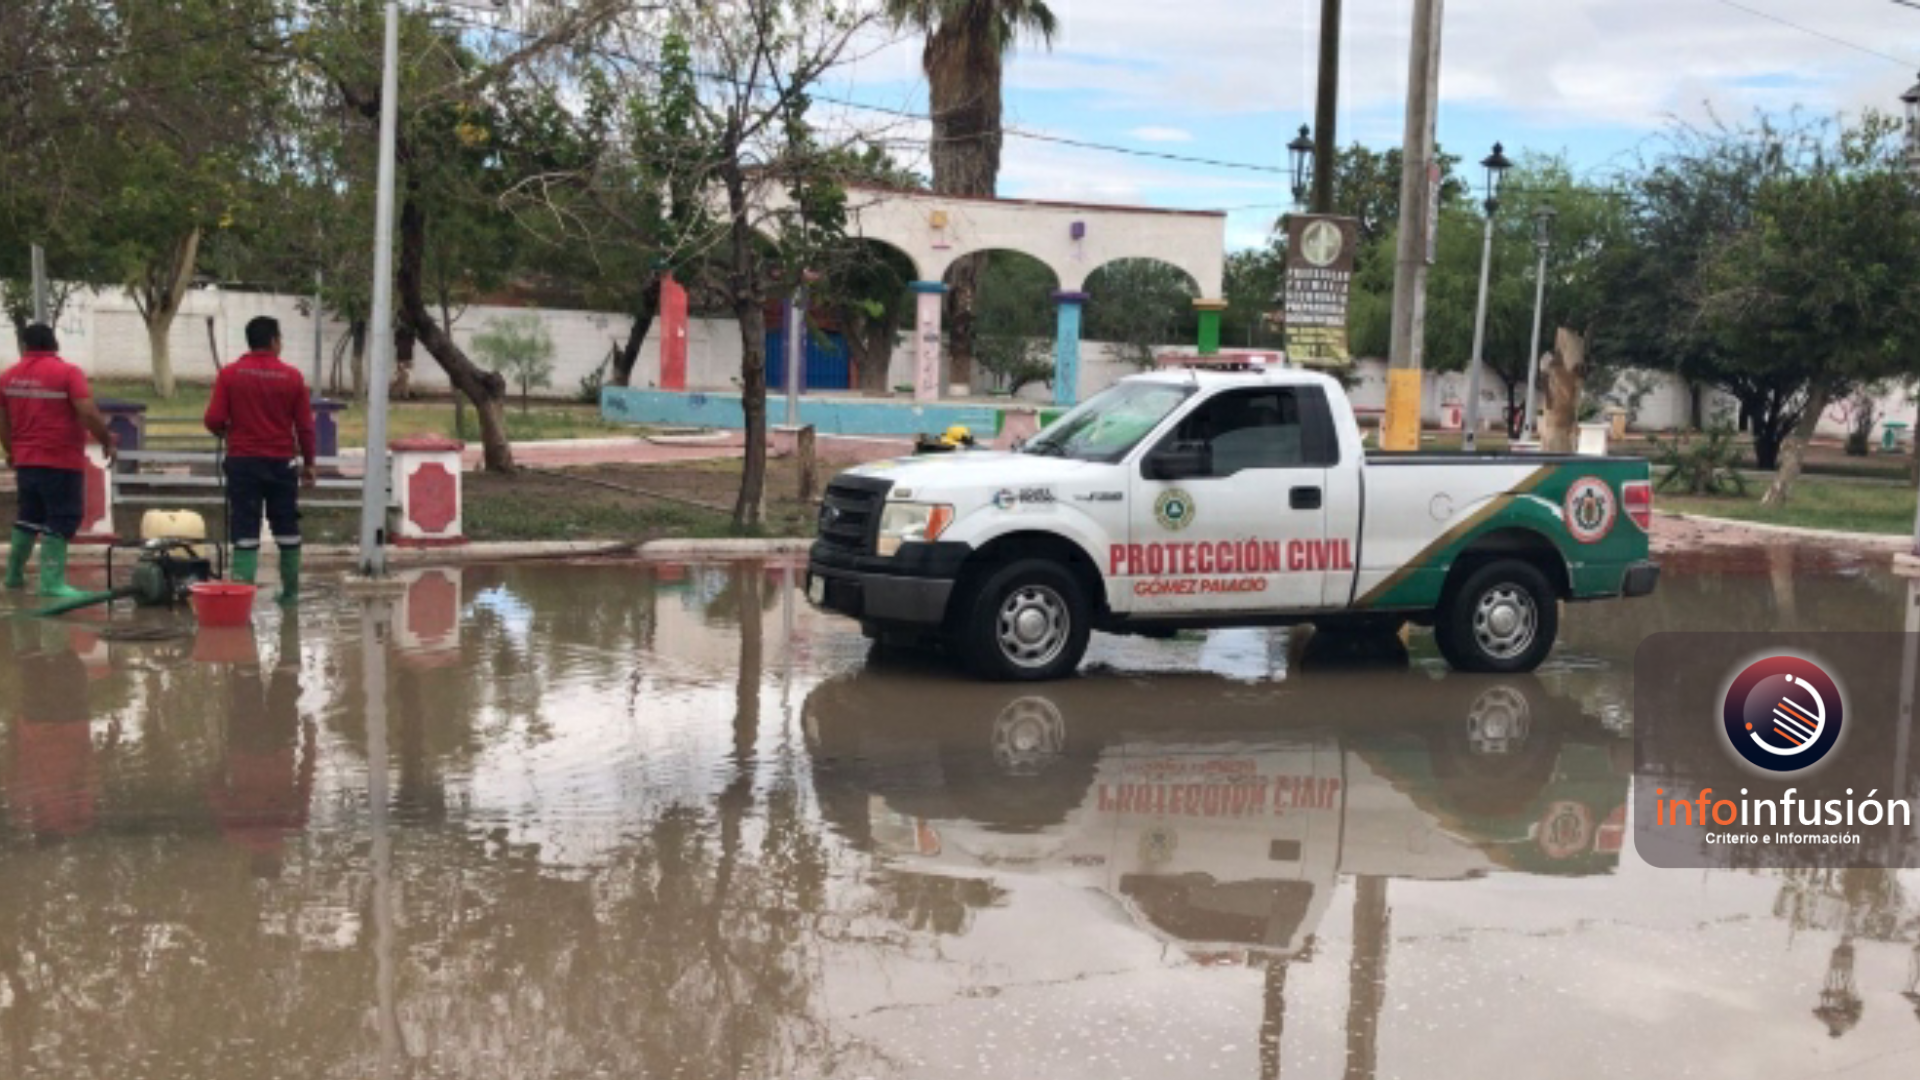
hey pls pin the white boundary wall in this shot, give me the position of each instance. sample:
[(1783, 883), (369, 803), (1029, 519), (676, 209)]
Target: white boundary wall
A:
[(101, 331)]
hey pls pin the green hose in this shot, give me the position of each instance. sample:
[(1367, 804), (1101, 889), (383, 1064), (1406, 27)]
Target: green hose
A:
[(68, 606)]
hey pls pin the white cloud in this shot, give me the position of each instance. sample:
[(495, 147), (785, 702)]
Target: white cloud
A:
[(1563, 62), (1161, 134)]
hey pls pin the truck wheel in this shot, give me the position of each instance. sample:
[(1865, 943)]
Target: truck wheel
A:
[(1029, 622), (1503, 618)]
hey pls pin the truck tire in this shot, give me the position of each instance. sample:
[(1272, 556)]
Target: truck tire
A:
[(1028, 622), (1503, 618)]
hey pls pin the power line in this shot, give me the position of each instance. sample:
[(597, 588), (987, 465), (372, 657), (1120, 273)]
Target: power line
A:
[(1821, 34)]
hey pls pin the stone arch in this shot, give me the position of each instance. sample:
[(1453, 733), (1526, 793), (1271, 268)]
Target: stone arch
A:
[(1137, 305), (1013, 317), (868, 298)]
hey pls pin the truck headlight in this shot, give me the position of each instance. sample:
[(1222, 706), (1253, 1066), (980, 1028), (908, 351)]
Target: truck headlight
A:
[(912, 523)]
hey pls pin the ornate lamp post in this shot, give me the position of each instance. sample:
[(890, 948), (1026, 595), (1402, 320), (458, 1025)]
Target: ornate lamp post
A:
[(1496, 165), (1300, 150)]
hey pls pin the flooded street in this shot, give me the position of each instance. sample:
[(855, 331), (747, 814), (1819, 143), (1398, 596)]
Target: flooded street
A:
[(653, 820)]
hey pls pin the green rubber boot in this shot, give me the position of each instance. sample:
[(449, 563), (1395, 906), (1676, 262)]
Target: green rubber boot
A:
[(289, 575), (246, 565), (53, 571), (17, 557)]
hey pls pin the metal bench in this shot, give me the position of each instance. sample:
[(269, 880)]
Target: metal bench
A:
[(200, 485)]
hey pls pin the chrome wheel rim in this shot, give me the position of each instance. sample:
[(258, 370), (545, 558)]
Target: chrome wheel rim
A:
[(1499, 721), (1033, 625), (1027, 735), (1505, 622)]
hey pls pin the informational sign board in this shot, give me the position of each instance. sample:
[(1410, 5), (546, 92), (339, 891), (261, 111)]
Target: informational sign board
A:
[(1320, 256)]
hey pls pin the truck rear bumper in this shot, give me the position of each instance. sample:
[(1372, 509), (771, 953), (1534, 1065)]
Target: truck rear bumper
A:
[(1640, 580)]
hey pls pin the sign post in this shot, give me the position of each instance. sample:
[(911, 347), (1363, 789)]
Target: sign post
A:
[(1320, 257)]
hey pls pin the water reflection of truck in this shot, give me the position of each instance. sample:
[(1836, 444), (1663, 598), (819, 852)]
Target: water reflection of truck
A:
[(1221, 814)]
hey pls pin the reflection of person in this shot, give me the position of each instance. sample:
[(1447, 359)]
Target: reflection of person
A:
[(261, 794), (260, 407), (55, 785), (49, 411)]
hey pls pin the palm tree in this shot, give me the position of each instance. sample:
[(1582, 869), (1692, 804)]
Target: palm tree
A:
[(965, 57)]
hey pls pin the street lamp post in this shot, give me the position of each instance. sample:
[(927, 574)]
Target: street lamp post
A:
[(373, 484), (1542, 241), (1496, 165), (1300, 150)]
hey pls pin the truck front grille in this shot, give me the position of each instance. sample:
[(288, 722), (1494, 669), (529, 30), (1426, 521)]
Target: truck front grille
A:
[(850, 513)]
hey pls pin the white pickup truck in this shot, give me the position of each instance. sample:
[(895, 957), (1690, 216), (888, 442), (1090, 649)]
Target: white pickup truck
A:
[(1186, 499)]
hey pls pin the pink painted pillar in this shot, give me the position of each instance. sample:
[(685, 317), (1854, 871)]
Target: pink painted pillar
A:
[(926, 340), (673, 335)]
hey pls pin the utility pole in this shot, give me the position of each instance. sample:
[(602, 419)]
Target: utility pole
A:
[(373, 484), (1401, 428), (1326, 107)]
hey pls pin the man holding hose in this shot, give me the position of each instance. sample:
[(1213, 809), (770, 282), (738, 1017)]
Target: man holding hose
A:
[(260, 406)]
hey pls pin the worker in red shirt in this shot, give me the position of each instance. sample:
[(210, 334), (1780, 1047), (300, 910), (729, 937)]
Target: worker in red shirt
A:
[(260, 407), (49, 409)]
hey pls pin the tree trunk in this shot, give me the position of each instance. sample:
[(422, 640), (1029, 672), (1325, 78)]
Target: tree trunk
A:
[(871, 342), (164, 294), (1565, 369), (629, 354), (359, 332), (964, 69), (748, 309), (486, 389), (1796, 449), (1768, 434)]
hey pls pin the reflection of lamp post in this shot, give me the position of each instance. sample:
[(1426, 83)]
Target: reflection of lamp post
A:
[(1911, 99), (1301, 152), (1542, 241), (1496, 165), (1912, 993), (1840, 1004)]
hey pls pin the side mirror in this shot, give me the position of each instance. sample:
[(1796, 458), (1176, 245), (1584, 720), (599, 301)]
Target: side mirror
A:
[(1180, 461)]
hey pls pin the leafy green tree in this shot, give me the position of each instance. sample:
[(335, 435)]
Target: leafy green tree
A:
[(965, 62), (1820, 290), (1252, 285), (520, 348)]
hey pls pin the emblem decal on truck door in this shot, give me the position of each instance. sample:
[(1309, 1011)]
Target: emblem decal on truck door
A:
[(1590, 509), (1173, 509)]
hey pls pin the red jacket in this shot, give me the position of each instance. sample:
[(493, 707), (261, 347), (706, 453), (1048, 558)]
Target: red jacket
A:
[(40, 392), (261, 406)]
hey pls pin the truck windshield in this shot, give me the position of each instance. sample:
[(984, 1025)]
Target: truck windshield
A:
[(1110, 423)]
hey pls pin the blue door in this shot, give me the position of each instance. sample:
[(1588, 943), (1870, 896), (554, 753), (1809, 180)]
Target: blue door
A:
[(826, 365)]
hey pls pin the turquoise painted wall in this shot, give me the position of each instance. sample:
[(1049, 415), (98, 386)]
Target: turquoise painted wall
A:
[(673, 408)]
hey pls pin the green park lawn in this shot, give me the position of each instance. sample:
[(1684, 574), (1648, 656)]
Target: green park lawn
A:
[(1849, 506)]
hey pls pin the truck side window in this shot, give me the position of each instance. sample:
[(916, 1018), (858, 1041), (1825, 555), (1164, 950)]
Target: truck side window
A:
[(1250, 429)]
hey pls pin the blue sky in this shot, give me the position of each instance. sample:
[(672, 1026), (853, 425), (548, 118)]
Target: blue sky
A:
[(1233, 80)]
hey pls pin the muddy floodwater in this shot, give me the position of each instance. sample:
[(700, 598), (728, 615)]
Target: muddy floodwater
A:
[(664, 821)]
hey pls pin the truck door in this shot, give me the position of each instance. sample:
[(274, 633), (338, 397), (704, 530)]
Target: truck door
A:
[(1228, 510)]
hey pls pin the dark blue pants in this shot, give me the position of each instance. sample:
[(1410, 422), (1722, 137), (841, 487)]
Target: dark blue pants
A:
[(52, 501), (254, 484)]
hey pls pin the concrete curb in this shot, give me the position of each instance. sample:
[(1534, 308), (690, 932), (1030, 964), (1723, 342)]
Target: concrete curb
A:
[(1798, 532), (725, 548), (326, 556)]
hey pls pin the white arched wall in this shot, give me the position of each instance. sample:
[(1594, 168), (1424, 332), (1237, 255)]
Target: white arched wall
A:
[(1072, 239)]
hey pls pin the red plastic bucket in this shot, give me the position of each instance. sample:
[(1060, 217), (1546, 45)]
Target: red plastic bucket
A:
[(222, 603)]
